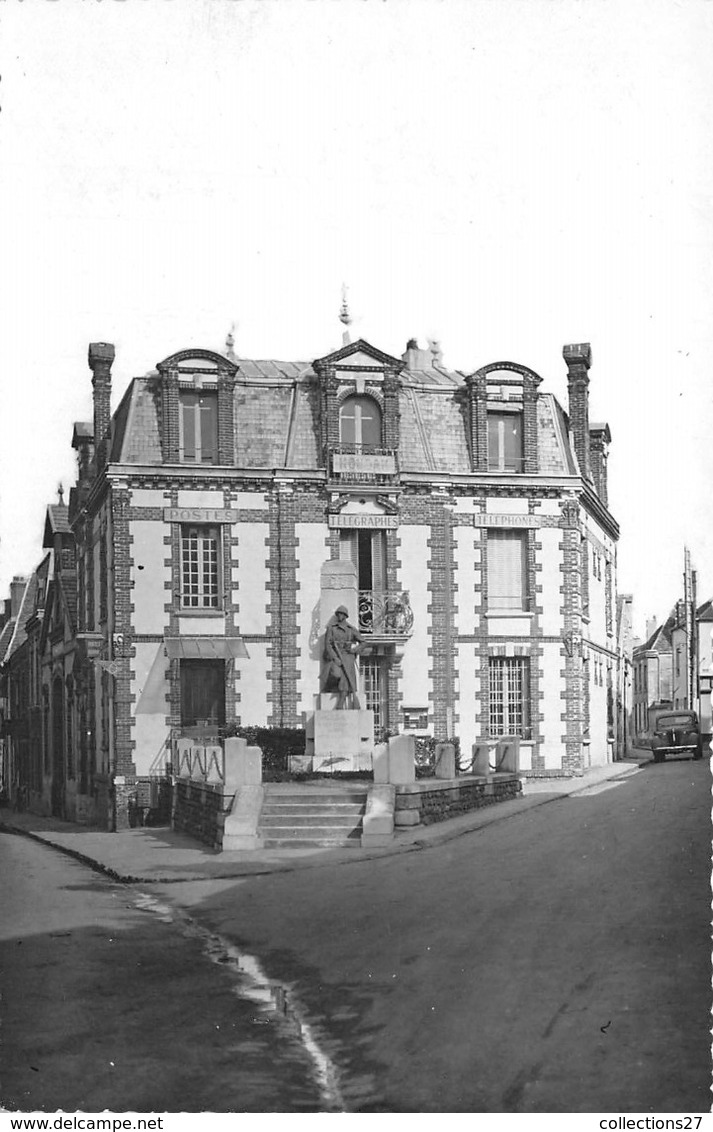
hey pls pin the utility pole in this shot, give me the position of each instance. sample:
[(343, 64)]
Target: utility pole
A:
[(689, 610)]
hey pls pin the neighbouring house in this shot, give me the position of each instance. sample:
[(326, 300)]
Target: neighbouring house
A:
[(625, 682), (653, 673), (692, 663), (181, 586)]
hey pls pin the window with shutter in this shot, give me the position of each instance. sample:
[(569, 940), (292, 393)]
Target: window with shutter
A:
[(507, 570), (198, 433), (505, 449), (360, 422)]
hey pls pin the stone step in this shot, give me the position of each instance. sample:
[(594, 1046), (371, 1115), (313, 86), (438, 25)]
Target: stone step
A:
[(308, 840), (336, 797), (345, 810), (286, 816)]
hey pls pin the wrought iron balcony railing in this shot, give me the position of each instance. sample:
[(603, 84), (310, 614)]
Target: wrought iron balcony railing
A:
[(385, 613), (363, 463)]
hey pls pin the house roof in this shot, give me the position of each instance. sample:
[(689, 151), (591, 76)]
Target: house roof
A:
[(277, 407), (660, 640), (27, 609), (56, 522), (705, 611)]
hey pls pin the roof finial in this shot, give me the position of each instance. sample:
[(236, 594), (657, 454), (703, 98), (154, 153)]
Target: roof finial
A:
[(344, 316), (229, 343), (60, 493)]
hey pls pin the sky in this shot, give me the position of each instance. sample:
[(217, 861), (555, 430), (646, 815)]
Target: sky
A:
[(504, 175)]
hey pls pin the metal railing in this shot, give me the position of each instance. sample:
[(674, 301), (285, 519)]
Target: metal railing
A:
[(385, 613), (363, 463), (201, 760)]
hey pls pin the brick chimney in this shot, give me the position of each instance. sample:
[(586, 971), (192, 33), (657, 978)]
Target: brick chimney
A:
[(83, 443), (579, 358), (599, 441), (101, 356), (17, 589), (416, 357)]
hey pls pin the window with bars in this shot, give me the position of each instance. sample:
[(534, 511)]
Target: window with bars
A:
[(505, 450), (507, 570), (373, 677), (200, 567), (198, 427), (509, 679)]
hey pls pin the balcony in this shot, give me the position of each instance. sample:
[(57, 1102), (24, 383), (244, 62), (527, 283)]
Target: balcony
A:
[(385, 615), (363, 463)]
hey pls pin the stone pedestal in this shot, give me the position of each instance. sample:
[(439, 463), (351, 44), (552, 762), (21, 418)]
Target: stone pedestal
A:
[(343, 740)]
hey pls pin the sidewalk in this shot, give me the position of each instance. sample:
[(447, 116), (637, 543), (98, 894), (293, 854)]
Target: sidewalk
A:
[(160, 856)]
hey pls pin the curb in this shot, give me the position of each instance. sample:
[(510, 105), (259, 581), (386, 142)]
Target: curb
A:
[(417, 845)]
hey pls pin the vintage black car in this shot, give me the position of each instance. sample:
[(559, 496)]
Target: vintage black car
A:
[(676, 733)]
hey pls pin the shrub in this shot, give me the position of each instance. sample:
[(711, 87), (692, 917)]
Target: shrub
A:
[(276, 744)]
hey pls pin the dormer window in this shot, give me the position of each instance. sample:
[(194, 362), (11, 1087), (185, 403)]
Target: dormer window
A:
[(198, 436), (505, 448), (360, 422)]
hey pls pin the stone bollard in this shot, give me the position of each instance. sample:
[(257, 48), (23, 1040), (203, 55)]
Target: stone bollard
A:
[(243, 765), (380, 762), (481, 759), (445, 760), (402, 759), (507, 755)]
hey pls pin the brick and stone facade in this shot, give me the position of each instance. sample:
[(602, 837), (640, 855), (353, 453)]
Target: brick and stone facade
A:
[(474, 509)]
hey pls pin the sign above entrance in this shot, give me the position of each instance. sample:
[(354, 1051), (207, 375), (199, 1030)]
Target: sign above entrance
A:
[(199, 515), (485, 520), (367, 463), (372, 522)]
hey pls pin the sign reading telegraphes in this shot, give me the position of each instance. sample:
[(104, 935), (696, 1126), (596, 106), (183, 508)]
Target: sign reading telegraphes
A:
[(373, 522)]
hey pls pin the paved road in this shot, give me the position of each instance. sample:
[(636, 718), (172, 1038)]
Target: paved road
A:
[(107, 1003), (555, 961), (558, 961)]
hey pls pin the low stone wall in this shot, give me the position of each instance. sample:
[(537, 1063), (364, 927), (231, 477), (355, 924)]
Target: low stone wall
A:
[(428, 800), (199, 810)]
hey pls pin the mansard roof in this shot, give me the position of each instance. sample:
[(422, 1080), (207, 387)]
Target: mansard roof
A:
[(277, 407)]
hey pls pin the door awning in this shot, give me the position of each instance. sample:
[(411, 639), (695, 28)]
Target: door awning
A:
[(206, 648)]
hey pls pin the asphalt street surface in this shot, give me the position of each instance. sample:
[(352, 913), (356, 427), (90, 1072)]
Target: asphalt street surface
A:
[(106, 1003), (556, 961)]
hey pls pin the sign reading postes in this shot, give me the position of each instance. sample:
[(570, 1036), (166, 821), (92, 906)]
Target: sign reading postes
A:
[(485, 520), (364, 463), (199, 515), (374, 522)]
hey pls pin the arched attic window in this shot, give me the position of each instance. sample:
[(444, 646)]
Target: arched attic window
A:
[(360, 422)]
